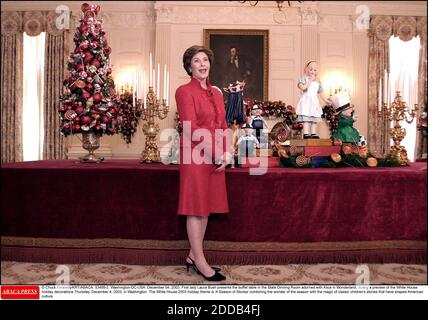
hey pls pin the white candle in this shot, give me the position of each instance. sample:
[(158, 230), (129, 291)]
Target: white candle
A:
[(385, 87), (139, 80), (167, 88), (388, 101), (151, 71), (158, 82), (133, 92), (164, 82), (379, 93), (144, 90), (154, 81), (134, 86)]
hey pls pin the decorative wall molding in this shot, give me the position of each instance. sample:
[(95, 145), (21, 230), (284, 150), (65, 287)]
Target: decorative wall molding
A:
[(116, 6), (129, 20), (310, 16), (221, 13), (403, 8), (330, 23)]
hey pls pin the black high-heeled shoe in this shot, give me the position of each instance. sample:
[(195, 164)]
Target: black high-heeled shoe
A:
[(190, 265), (217, 276)]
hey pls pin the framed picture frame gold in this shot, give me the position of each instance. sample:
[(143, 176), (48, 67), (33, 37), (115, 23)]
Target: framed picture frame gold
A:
[(240, 55)]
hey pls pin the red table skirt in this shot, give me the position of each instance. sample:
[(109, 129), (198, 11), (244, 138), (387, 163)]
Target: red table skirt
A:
[(127, 200)]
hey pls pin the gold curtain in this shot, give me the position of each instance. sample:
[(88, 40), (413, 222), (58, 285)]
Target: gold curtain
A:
[(381, 29), (11, 87), (56, 50), (422, 81), (379, 33), (13, 25)]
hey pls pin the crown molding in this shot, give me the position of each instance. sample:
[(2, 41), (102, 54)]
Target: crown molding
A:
[(405, 8), (114, 6)]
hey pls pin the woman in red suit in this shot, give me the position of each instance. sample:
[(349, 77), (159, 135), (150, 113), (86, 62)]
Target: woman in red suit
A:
[(202, 173)]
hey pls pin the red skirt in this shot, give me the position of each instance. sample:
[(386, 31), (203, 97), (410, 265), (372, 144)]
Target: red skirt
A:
[(202, 190)]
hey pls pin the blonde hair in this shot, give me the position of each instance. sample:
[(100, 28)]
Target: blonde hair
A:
[(309, 62)]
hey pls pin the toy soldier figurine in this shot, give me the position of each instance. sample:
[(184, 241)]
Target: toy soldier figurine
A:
[(247, 143), (258, 123)]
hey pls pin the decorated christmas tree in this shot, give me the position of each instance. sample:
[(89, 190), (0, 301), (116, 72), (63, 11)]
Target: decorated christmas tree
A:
[(89, 103)]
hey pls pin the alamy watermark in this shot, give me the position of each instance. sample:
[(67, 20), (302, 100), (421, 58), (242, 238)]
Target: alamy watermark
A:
[(63, 19), (64, 275), (202, 146), (362, 22), (364, 275)]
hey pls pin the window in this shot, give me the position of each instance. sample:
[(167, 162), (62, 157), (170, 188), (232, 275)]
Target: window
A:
[(32, 116), (403, 67)]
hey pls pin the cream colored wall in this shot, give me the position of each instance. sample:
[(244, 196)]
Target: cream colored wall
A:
[(324, 31)]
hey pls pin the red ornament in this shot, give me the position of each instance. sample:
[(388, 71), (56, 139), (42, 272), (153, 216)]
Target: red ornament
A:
[(85, 7), (89, 87), (98, 127), (97, 97), (79, 110), (106, 119), (107, 50), (76, 120), (86, 119), (84, 28), (88, 57), (95, 63), (76, 127), (85, 94)]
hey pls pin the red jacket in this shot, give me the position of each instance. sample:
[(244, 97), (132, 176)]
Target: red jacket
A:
[(202, 190)]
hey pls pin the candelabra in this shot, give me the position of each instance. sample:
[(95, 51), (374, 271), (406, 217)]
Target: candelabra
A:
[(153, 108), (398, 111)]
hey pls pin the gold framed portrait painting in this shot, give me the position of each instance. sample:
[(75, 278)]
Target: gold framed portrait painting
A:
[(240, 55)]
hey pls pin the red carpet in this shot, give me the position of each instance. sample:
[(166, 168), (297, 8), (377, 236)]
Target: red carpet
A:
[(329, 215)]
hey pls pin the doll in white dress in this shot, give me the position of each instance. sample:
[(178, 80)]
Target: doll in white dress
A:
[(309, 109)]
